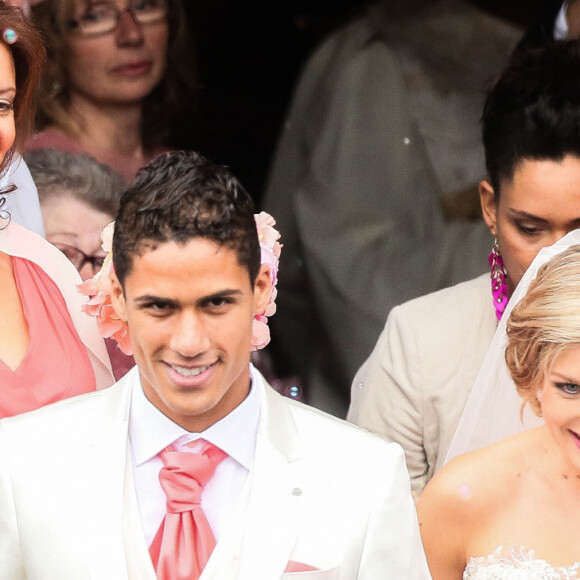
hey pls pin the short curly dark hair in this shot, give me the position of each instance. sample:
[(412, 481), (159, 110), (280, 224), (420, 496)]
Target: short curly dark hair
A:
[(545, 323), (180, 196)]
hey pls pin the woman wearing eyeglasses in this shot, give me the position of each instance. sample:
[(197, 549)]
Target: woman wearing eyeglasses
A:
[(49, 349), (79, 197), (117, 76)]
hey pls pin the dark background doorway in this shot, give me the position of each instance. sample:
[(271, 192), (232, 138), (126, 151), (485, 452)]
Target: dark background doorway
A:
[(250, 54)]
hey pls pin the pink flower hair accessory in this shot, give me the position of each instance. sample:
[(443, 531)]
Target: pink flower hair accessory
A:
[(271, 248), (99, 288)]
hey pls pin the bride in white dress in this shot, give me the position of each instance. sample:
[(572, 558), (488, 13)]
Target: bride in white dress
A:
[(512, 510)]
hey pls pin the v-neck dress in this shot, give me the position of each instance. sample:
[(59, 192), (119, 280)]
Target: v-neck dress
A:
[(56, 365)]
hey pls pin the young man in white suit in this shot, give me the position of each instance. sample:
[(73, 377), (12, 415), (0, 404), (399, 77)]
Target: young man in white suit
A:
[(297, 491)]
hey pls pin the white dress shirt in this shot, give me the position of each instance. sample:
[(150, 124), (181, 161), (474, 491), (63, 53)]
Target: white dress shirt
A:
[(151, 431)]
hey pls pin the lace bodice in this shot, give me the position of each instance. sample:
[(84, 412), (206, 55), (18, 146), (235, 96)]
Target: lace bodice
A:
[(516, 564)]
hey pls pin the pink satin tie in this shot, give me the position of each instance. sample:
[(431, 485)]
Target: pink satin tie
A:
[(184, 541)]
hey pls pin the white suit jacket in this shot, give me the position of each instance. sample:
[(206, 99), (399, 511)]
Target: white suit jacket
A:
[(413, 387), (321, 492)]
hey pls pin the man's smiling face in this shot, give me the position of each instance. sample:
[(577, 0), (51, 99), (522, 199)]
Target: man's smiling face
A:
[(190, 309)]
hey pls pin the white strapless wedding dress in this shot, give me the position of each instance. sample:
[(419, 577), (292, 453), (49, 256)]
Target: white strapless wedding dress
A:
[(516, 564)]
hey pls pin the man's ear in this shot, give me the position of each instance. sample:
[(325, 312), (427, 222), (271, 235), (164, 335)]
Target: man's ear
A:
[(262, 289), (118, 297), (488, 206)]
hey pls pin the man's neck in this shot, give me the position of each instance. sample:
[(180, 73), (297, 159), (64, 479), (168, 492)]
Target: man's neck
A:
[(116, 128)]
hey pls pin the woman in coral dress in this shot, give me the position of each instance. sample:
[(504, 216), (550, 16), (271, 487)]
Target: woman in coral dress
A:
[(49, 350)]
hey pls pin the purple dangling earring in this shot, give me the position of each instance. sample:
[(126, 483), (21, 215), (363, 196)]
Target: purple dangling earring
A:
[(499, 289)]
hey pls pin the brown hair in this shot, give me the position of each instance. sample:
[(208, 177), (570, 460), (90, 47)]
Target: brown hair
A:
[(28, 56), (544, 324), (176, 90)]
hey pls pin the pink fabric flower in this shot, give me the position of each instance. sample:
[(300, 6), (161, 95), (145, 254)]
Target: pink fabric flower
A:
[(89, 287), (267, 234), (110, 325), (268, 237), (268, 257), (99, 289), (260, 332)]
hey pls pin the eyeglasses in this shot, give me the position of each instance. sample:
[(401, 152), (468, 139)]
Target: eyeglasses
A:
[(79, 258), (103, 17)]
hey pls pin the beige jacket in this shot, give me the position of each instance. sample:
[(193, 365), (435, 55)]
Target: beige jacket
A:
[(413, 387)]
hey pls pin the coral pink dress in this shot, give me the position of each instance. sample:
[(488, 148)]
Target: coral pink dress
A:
[(56, 365)]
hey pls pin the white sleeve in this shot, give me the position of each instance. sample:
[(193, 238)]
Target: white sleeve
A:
[(393, 547), (387, 395)]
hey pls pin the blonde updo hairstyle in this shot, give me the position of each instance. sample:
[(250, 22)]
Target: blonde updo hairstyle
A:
[(545, 323)]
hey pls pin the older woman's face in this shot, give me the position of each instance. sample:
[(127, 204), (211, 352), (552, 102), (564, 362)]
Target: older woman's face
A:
[(75, 228), (7, 95), (120, 67), (535, 209)]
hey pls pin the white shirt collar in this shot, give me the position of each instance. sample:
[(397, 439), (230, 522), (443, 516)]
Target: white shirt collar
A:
[(151, 431)]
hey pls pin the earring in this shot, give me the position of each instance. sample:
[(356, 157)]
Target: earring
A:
[(10, 36), (499, 289)]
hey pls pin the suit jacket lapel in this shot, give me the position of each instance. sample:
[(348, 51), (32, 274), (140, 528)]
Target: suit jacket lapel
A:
[(274, 506), (139, 564), (107, 464), (225, 559)]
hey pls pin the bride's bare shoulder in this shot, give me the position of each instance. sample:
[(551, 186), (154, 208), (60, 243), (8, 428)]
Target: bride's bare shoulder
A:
[(473, 482)]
